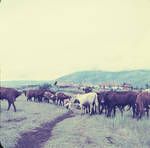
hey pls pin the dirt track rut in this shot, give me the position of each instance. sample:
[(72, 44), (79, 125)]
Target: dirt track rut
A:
[(37, 137)]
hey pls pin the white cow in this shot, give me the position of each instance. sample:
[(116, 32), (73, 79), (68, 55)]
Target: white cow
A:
[(89, 99)]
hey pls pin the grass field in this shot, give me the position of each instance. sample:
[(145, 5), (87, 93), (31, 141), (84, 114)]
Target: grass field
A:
[(77, 132), (29, 115), (100, 132)]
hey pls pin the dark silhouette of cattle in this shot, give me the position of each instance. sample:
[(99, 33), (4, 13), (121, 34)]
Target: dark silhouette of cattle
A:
[(10, 94), (110, 100), (37, 94), (142, 103), (61, 97), (102, 103)]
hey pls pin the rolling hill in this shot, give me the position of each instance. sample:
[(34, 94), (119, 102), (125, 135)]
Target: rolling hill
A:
[(20, 83), (135, 77)]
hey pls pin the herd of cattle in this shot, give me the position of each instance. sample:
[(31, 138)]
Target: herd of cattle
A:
[(102, 102)]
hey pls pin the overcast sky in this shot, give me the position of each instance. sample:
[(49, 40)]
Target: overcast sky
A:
[(45, 39)]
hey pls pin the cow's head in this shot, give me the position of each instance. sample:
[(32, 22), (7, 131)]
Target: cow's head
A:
[(73, 103), (101, 98)]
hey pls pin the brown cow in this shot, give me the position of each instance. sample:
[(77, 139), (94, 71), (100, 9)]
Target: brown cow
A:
[(111, 100), (61, 97), (48, 95), (10, 94), (37, 94), (142, 103)]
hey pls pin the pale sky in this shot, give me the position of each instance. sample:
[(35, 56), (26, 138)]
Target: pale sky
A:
[(45, 39)]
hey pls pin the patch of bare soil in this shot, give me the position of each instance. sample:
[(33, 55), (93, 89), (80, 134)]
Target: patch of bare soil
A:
[(37, 137)]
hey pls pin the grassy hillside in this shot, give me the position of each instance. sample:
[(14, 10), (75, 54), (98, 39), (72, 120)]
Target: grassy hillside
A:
[(136, 77), (20, 83)]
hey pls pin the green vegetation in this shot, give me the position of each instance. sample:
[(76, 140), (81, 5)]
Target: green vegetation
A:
[(29, 115), (101, 132), (137, 77)]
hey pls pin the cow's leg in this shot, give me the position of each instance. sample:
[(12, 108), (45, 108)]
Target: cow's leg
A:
[(54, 101), (88, 108), (62, 102), (91, 109), (137, 111), (141, 114), (45, 100), (35, 99), (121, 110), (39, 99), (141, 111), (114, 111), (99, 108), (59, 102), (109, 111), (14, 106), (147, 111), (106, 110), (134, 111), (95, 110), (9, 104), (82, 110), (28, 98)]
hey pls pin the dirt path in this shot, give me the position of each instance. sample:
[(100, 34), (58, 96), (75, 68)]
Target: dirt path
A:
[(37, 137)]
